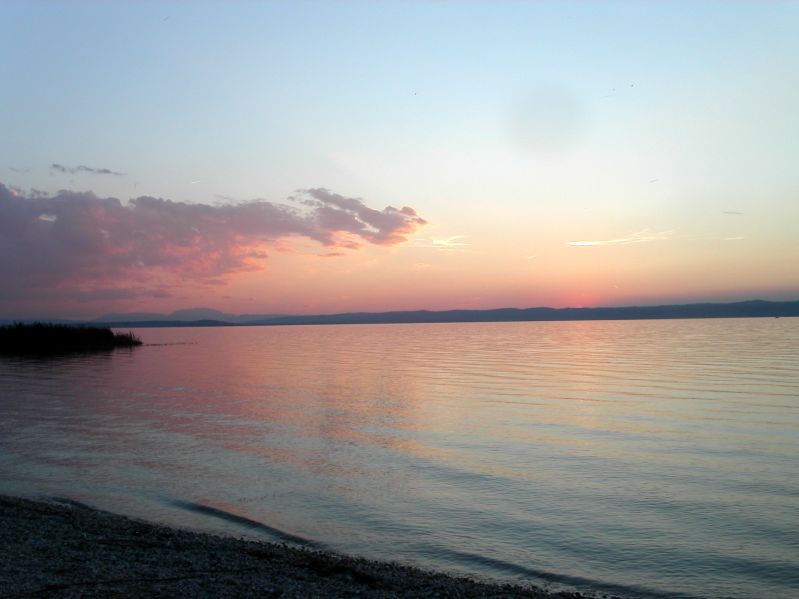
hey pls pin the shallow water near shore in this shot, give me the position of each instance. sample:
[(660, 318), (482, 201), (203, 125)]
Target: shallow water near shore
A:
[(633, 457)]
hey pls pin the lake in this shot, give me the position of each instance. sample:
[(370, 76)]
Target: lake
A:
[(643, 458)]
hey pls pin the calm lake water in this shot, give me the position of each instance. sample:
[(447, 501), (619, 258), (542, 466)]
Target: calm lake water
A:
[(639, 458)]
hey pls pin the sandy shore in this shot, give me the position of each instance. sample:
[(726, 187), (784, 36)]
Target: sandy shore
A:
[(62, 550)]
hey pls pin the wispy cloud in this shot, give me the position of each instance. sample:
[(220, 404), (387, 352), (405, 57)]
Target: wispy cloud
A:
[(57, 244), (84, 169), (19, 170), (732, 212), (644, 236), (452, 243)]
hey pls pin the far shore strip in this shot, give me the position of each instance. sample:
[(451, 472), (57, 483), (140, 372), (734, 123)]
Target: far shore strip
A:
[(55, 549)]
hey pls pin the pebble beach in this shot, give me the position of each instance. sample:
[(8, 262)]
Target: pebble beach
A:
[(59, 548)]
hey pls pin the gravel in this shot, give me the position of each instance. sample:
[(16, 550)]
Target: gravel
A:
[(54, 549)]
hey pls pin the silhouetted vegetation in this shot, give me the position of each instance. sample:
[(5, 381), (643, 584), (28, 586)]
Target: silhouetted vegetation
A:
[(42, 338)]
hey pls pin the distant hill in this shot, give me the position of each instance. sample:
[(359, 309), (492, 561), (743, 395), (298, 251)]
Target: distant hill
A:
[(753, 308), (208, 317), (132, 317), (150, 324), (185, 315)]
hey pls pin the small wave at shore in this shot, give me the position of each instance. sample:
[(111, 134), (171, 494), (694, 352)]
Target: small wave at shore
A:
[(575, 582), (465, 558), (214, 512)]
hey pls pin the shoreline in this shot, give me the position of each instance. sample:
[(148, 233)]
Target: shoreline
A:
[(66, 549)]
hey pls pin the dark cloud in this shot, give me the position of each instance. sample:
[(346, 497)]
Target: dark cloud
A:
[(79, 245), (84, 169)]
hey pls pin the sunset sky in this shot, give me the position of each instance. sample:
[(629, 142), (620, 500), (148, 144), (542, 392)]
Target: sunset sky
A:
[(314, 157)]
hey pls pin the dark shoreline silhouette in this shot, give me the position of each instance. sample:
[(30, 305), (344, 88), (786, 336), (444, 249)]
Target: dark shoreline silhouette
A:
[(746, 309), (47, 339)]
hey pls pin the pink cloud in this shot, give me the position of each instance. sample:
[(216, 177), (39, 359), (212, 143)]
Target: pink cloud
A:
[(383, 227), (79, 245)]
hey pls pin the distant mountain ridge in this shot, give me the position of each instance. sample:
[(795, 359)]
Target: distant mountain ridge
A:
[(186, 315), (210, 317)]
